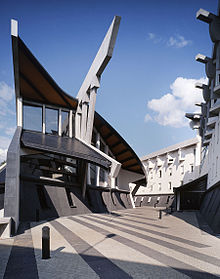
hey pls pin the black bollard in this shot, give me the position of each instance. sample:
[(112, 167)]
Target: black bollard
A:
[(45, 242), (160, 214)]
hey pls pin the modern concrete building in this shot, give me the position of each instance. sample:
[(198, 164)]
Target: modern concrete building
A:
[(167, 169), (208, 122), (64, 158)]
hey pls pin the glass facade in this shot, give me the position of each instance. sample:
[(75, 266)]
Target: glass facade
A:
[(64, 123), (51, 121), (32, 118)]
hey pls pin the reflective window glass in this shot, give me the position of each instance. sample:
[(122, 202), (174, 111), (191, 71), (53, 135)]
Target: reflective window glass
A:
[(64, 123), (32, 118), (51, 121)]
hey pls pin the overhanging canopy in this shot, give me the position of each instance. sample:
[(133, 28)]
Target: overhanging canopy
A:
[(119, 147), (69, 147)]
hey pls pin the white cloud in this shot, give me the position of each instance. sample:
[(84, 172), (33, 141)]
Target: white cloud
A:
[(153, 37), (148, 118), (3, 153), (178, 41), (6, 92), (10, 131), (4, 143), (170, 109)]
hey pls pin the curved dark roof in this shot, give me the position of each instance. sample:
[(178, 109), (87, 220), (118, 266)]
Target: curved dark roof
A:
[(119, 147), (35, 83)]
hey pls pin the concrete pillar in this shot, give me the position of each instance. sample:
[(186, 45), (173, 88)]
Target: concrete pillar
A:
[(12, 180), (19, 112), (71, 124), (97, 168), (106, 172), (59, 122), (84, 120), (91, 112), (43, 120), (88, 175)]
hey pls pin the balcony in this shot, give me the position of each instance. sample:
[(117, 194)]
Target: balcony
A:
[(211, 122), (215, 109), (208, 134)]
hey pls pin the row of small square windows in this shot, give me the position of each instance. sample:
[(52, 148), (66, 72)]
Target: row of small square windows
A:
[(169, 186), (170, 171)]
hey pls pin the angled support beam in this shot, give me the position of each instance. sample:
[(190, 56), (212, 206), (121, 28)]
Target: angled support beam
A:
[(91, 82)]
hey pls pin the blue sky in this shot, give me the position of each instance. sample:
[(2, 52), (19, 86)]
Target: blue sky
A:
[(148, 84)]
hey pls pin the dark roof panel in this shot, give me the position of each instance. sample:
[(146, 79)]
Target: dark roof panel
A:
[(118, 145), (69, 147), (34, 81)]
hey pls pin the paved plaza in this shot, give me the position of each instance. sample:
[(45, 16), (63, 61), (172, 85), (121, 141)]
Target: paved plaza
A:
[(131, 243)]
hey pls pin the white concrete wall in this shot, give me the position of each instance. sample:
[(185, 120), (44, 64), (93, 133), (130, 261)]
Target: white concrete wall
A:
[(125, 178), (211, 157), (160, 173)]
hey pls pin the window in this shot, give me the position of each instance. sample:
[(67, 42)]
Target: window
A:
[(93, 142), (64, 123), (93, 174), (160, 173), (73, 124), (182, 169), (116, 181), (32, 118), (159, 187), (194, 151), (170, 186), (102, 146), (170, 171), (51, 121)]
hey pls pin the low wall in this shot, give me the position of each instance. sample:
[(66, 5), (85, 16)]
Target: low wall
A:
[(41, 202), (210, 207), (165, 200)]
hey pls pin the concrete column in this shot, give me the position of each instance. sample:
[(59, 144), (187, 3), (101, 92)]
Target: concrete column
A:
[(112, 182), (91, 112), (97, 168), (77, 124), (84, 120), (43, 120), (59, 123), (106, 172), (217, 78), (12, 180), (71, 124), (178, 201), (88, 175), (19, 112)]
